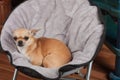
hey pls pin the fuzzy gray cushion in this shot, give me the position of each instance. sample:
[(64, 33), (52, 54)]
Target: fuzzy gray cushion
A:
[(75, 22)]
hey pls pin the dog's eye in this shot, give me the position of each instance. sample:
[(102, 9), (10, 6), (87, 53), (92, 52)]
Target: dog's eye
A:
[(15, 38), (26, 38)]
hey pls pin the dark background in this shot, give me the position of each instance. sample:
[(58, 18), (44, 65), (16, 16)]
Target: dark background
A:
[(15, 3)]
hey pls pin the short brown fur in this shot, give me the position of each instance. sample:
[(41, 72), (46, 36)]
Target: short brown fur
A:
[(48, 52)]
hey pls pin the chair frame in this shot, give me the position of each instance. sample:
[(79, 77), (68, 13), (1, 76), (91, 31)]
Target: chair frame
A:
[(15, 74), (87, 77)]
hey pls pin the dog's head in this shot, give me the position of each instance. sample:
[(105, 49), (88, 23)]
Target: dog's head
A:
[(23, 37)]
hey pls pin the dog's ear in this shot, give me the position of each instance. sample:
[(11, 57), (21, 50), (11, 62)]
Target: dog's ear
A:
[(34, 31)]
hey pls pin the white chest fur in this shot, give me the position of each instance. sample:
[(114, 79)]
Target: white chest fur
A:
[(22, 50)]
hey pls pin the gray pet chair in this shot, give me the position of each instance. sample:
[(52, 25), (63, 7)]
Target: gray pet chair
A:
[(75, 22)]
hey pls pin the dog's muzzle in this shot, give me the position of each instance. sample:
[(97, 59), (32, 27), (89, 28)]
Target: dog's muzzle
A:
[(20, 43)]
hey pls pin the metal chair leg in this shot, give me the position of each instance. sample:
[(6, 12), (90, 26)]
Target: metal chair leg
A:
[(89, 70), (15, 74)]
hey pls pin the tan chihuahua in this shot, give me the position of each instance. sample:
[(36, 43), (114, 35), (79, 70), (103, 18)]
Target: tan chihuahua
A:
[(47, 52)]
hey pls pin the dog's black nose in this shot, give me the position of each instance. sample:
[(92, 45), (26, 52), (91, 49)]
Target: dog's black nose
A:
[(20, 43)]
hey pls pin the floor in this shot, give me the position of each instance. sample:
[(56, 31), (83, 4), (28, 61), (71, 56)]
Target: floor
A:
[(103, 65)]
